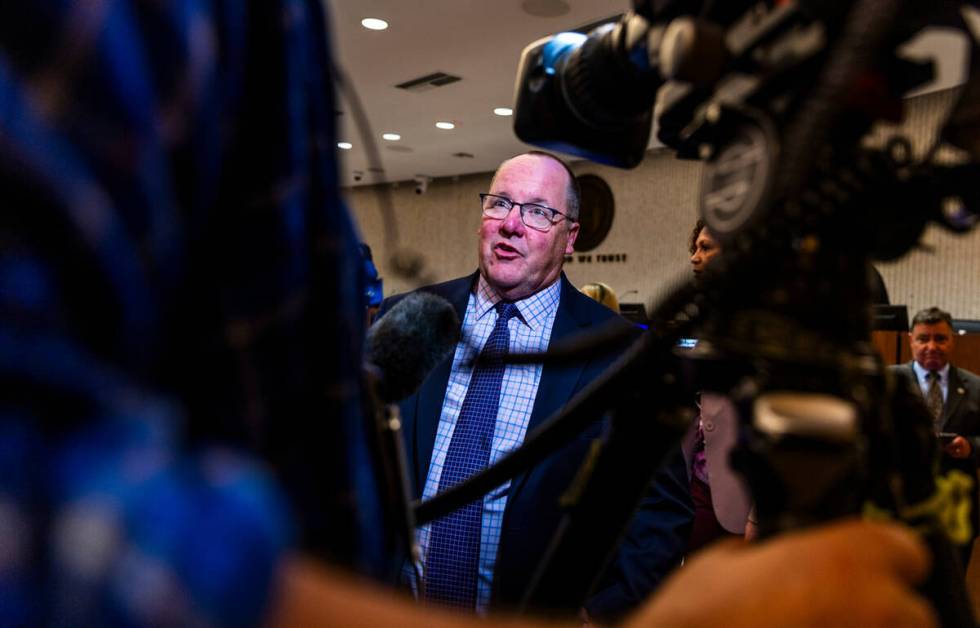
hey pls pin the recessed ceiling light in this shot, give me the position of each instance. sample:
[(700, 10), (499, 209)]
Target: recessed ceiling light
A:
[(392, 137), (345, 145), (445, 125), (374, 24), (503, 111)]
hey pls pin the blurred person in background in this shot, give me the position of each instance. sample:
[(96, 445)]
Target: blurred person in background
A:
[(722, 501), (702, 246), (601, 293), (951, 395)]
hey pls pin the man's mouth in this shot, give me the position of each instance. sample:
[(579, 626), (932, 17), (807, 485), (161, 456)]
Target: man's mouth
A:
[(506, 251)]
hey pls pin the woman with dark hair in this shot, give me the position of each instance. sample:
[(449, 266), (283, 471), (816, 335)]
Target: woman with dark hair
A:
[(720, 497), (703, 247)]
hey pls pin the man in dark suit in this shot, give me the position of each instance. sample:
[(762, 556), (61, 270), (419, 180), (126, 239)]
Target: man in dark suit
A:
[(529, 224), (951, 394)]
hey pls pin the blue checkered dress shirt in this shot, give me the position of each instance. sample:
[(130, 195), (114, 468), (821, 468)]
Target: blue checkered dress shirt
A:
[(530, 331)]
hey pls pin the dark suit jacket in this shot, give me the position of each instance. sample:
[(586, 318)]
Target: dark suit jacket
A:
[(961, 415), (961, 412), (532, 513)]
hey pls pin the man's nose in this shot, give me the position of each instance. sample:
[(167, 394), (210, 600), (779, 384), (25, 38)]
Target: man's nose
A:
[(513, 223)]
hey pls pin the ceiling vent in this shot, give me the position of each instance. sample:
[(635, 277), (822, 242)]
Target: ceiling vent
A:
[(427, 82)]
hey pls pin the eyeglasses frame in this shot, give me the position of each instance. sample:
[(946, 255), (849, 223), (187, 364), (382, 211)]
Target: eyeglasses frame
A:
[(520, 206)]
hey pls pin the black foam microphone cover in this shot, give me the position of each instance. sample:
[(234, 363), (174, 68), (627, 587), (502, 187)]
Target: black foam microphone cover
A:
[(411, 339)]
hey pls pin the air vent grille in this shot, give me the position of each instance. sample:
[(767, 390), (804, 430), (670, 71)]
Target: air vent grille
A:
[(427, 82)]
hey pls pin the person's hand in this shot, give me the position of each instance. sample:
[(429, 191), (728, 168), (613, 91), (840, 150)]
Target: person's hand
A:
[(959, 447), (751, 530), (853, 573)]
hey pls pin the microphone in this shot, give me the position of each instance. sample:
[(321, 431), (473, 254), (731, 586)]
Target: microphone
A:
[(402, 347), (412, 338)]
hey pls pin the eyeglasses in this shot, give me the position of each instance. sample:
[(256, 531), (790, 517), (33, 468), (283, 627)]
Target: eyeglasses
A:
[(535, 216)]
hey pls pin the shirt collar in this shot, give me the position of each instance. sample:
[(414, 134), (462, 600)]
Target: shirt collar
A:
[(533, 310), (921, 373)]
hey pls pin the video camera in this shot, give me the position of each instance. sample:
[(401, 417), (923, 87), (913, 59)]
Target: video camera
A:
[(764, 92), (779, 99)]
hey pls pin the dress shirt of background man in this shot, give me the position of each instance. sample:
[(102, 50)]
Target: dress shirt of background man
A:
[(956, 403), (523, 265)]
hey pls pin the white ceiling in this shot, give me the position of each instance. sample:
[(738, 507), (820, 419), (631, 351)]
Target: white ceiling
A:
[(477, 40)]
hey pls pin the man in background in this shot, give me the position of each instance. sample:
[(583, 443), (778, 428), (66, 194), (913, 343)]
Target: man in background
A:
[(952, 396)]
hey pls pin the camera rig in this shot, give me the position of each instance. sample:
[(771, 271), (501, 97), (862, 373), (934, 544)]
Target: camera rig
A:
[(778, 98)]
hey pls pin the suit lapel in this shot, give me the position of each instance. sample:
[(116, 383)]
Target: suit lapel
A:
[(954, 394), (433, 392), (557, 382)]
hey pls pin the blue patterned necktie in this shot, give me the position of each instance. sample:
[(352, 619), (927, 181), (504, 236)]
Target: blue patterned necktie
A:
[(454, 543)]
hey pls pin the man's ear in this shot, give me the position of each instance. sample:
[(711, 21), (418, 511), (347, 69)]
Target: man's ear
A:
[(572, 236)]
